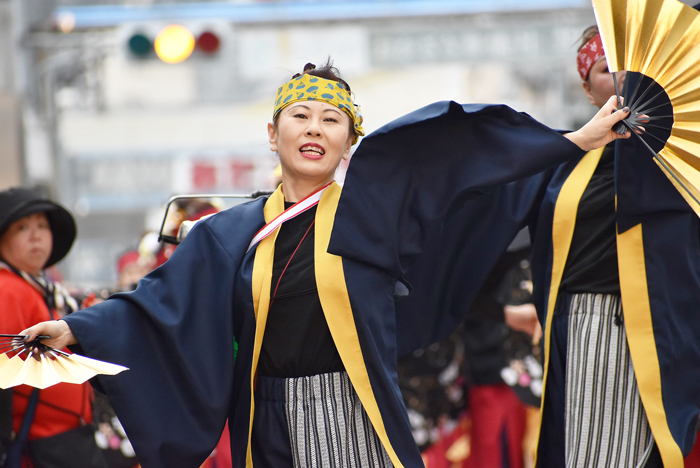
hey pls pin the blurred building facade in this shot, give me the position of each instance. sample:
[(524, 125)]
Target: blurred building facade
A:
[(113, 136)]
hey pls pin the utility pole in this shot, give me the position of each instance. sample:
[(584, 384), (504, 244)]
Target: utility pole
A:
[(38, 149), (10, 130)]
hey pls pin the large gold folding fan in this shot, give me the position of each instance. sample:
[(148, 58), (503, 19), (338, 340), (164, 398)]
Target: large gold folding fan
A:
[(658, 43), (40, 366)]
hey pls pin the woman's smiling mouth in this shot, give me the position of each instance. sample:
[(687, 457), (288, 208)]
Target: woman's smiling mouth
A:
[(312, 151)]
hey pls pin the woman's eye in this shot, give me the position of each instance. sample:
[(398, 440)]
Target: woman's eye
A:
[(331, 119), (300, 116)]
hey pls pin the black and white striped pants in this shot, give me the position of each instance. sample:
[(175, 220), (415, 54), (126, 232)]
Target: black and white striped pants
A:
[(316, 421), (606, 425)]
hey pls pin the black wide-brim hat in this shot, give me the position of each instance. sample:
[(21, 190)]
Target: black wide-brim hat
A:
[(18, 202)]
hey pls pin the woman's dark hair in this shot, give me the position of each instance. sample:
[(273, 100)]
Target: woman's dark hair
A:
[(589, 33), (329, 72)]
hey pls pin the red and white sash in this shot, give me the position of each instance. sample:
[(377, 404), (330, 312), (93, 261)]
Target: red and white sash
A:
[(291, 212)]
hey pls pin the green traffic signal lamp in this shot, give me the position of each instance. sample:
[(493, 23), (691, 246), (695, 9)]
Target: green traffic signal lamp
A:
[(140, 45)]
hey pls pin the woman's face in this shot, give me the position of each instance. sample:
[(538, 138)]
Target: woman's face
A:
[(600, 86), (311, 138), (27, 243)]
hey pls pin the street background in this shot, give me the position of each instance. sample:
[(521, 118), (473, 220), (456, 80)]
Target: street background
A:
[(112, 134)]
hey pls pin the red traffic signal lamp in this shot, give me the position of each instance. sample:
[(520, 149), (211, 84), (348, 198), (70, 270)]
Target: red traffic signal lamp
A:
[(208, 42)]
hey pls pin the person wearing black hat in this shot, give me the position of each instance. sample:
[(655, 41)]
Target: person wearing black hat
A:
[(36, 233), (19, 203)]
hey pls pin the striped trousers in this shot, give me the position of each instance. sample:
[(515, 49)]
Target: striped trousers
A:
[(606, 425), (316, 421)]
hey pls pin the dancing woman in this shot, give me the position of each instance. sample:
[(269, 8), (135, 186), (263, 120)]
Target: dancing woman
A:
[(313, 382)]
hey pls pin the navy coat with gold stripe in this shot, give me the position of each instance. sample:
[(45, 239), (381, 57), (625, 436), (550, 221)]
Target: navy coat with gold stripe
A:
[(176, 331), (658, 245)]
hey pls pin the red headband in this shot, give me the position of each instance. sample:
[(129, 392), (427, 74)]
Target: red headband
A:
[(588, 55)]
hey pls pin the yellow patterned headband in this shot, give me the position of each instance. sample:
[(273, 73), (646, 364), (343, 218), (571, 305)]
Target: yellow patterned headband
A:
[(307, 87)]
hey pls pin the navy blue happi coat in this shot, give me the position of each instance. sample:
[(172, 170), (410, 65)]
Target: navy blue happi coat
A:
[(436, 173)]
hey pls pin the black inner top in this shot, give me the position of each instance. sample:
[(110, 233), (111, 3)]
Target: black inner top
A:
[(297, 340), (592, 263)]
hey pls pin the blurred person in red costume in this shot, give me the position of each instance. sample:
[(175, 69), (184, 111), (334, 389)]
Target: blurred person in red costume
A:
[(131, 267), (36, 233)]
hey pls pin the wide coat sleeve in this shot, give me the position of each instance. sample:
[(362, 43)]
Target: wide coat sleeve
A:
[(425, 200), (175, 334), (406, 178), (448, 277)]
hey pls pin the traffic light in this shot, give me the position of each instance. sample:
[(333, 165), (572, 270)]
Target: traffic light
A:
[(173, 43)]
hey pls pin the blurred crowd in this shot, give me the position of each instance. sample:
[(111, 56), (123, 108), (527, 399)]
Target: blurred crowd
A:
[(473, 399)]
